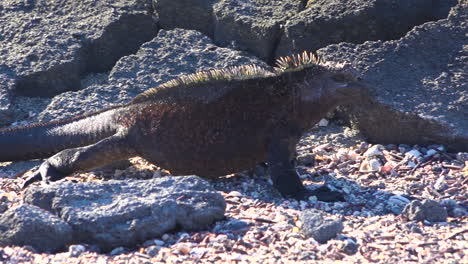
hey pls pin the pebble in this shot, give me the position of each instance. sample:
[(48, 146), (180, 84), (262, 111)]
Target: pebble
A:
[(235, 194), (427, 210), (118, 251), (403, 148), (158, 242), (184, 248), (374, 164), (306, 159), (462, 156), (75, 251), (152, 250), (349, 247), (414, 153), (374, 151), (323, 122), (440, 184), (397, 203), (430, 153)]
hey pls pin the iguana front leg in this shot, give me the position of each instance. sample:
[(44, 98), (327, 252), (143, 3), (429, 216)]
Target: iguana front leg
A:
[(67, 161), (284, 176)]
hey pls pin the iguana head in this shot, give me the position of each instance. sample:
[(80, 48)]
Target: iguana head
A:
[(320, 81), (340, 87)]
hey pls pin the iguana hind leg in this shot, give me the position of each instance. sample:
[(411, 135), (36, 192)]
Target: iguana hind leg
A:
[(67, 161)]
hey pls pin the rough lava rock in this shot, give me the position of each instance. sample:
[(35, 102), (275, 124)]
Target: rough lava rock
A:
[(427, 210), (30, 225), (167, 56), (47, 46), (255, 26), (316, 226), (186, 14), (326, 22), (419, 82), (123, 213)]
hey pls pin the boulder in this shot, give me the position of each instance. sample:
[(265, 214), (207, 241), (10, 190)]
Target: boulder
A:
[(124, 213), (419, 84), (254, 26), (326, 22), (186, 14), (47, 46), (30, 225)]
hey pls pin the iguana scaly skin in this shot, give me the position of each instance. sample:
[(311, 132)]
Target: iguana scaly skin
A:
[(209, 124)]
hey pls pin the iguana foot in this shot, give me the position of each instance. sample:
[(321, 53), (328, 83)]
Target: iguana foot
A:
[(322, 193), (46, 172)]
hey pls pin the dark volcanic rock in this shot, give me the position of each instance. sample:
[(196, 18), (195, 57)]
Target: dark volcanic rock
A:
[(187, 14), (167, 56), (47, 46), (316, 226), (29, 225), (124, 213), (326, 22), (420, 84), (255, 26), (427, 210)]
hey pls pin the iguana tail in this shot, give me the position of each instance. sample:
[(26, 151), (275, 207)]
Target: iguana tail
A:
[(45, 139)]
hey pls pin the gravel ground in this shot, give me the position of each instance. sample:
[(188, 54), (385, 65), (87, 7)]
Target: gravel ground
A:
[(262, 227)]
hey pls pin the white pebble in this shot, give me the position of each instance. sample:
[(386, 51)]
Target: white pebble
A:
[(323, 122), (235, 194), (373, 151), (374, 164)]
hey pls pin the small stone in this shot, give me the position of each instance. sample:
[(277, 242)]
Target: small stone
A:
[(440, 184), (152, 250), (323, 122), (403, 148), (441, 148), (118, 251), (349, 247), (165, 237), (462, 156), (235, 194), (397, 203), (414, 153), (322, 149), (341, 155), (374, 164), (374, 151), (306, 159), (316, 226), (413, 227), (158, 242), (75, 251), (427, 210), (430, 153), (184, 248)]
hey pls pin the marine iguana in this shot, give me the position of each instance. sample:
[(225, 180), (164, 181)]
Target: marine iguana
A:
[(209, 123)]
